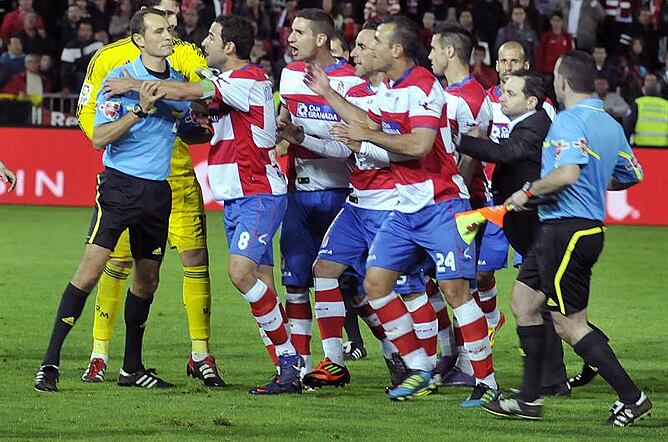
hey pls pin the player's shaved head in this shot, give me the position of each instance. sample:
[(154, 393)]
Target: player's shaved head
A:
[(515, 47)]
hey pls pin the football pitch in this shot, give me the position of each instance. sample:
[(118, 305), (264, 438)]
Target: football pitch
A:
[(40, 248)]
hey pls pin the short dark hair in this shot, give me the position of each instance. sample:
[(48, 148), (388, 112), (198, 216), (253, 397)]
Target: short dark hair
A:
[(406, 33), (370, 25), (151, 3), (238, 30), (459, 38), (557, 14), (137, 22), (534, 85), (84, 21), (579, 70), (480, 48), (321, 21)]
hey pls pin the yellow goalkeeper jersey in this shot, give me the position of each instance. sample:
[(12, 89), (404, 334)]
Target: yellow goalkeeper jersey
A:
[(186, 59)]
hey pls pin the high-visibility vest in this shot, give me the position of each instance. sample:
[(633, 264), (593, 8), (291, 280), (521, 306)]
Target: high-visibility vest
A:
[(652, 125)]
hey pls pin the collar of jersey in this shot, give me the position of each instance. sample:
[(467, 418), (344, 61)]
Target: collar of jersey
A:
[(590, 103), (497, 90), (405, 75), (337, 64), (461, 83), (140, 70)]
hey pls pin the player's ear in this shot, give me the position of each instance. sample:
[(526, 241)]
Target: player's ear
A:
[(138, 40), (321, 40)]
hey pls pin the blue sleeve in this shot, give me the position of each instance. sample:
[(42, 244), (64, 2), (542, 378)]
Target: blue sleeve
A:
[(568, 136), (108, 109), (627, 169)]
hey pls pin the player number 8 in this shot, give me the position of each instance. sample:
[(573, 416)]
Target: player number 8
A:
[(443, 261), (243, 240)]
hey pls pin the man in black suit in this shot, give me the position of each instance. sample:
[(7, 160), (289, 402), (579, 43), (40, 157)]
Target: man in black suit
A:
[(518, 160)]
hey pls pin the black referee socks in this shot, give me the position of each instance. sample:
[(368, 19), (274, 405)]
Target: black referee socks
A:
[(136, 315), (594, 349), (532, 341), (71, 306)]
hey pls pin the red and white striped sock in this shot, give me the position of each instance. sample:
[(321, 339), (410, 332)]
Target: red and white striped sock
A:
[(446, 339), (368, 315), (330, 313), (476, 343), (267, 311), (398, 326), (487, 302), (425, 325), (271, 350), (300, 321)]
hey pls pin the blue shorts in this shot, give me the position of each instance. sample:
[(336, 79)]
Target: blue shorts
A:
[(348, 239), (405, 237), (493, 254), (250, 225), (307, 219)]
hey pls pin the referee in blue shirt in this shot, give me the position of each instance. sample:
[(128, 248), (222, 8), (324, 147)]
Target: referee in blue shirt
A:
[(137, 132), (585, 154)]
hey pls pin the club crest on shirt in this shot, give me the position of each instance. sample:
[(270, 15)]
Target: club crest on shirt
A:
[(559, 147), (110, 109), (581, 144)]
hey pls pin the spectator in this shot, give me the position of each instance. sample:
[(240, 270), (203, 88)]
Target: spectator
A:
[(75, 57), (630, 80), (102, 36), (488, 16), (12, 61), (648, 120), (546, 7), (662, 75), (350, 28), (254, 11), (283, 26), (638, 57), (533, 16), (190, 29), (482, 72), (427, 29), (339, 47), (553, 44), (613, 103), (518, 30), (31, 36), (644, 28), (381, 9), (13, 21), (605, 66), (119, 25), (100, 12), (48, 69), (465, 19), (30, 83), (67, 25), (582, 19)]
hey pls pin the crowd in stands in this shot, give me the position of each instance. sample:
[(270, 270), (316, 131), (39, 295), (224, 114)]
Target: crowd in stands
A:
[(45, 45)]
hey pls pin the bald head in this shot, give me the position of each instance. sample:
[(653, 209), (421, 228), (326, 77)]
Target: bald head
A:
[(511, 59)]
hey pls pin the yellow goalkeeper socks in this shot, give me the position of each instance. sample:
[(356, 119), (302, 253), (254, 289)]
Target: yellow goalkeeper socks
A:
[(197, 302), (108, 303)]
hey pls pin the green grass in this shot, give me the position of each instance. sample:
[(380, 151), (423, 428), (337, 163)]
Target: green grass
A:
[(40, 248)]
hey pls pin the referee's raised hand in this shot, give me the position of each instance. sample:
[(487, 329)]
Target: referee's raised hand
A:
[(148, 94)]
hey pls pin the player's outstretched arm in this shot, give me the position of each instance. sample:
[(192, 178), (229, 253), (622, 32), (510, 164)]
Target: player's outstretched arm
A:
[(316, 79), (171, 90), (416, 144)]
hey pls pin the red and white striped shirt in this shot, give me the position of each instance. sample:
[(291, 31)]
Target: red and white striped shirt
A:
[(417, 100), (372, 180), (468, 105), (242, 158), (308, 170)]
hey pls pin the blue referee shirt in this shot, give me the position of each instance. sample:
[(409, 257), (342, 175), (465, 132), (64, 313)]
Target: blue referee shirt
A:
[(145, 151), (587, 136)]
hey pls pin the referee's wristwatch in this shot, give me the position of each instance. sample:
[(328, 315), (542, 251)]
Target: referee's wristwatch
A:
[(138, 111), (526, 189)]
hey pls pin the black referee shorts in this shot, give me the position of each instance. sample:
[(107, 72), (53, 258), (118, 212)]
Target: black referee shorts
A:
[(140, 205), (559, 263)]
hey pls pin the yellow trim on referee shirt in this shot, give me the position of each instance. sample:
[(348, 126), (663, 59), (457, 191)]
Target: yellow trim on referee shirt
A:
[(99, 212), (566, 259), (637, 171)]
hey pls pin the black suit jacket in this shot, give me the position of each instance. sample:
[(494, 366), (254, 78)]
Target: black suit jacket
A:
[(517, 161)]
